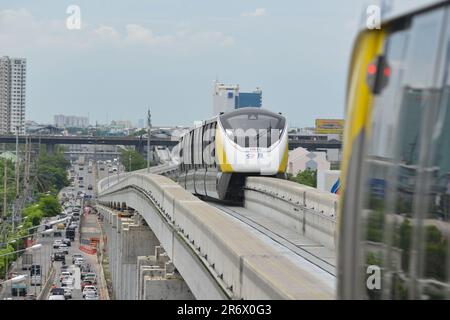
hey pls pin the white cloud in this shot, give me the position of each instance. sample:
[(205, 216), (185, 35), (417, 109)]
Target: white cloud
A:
[(259, 12), (19, 29), (106, 32)]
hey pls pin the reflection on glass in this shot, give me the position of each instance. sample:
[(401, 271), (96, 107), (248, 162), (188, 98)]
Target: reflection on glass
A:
[(406, 211)]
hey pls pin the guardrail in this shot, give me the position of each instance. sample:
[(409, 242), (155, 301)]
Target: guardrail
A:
[(242, 263), (166, 168), (309, 211)]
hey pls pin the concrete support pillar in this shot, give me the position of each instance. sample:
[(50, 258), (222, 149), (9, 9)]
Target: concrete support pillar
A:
[(158, 280), (137, 240)]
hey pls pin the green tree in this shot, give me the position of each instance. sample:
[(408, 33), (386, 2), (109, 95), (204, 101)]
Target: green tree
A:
[(306, 177), (137, 161), (49, 205)]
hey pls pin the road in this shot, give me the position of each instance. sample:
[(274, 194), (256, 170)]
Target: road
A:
[(89, 227)]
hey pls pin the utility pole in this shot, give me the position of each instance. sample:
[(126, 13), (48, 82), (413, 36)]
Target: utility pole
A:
[(129, 162), (5, 204), (16, 202), (149, 131)]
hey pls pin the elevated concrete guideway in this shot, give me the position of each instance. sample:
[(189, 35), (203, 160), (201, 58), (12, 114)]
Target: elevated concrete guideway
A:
[(217, 257)]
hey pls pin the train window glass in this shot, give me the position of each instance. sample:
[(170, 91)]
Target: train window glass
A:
[(253, 128), (436, 191), (213, 140), (394, 164)]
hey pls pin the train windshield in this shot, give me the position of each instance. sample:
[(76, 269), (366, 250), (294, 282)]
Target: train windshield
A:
[(253, 128)]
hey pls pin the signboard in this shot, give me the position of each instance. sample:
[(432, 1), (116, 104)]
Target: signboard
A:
[(330, 126)]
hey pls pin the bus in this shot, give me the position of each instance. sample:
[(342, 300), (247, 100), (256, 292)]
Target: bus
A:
[(395, 175)]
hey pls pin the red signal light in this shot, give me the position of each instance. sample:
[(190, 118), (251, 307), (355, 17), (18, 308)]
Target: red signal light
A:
[(387, 72), (371, 69)]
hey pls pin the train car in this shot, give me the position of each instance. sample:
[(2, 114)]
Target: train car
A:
[(216, 156), (395, 176)]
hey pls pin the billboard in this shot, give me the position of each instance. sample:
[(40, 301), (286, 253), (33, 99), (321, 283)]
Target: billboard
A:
[(330, 126)]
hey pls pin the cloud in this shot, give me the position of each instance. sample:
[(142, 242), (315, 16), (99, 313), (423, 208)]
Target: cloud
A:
[(107, 32), (259, 12), (141, 35), (19, 29)]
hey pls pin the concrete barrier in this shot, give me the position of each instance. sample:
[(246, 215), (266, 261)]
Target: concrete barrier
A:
[(306, 210)]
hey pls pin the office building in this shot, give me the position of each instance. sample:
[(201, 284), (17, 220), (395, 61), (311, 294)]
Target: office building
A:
[(62, 121), (12, 94), (228, 97)]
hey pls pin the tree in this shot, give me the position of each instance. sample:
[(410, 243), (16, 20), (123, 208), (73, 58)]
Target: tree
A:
[(137, 161), (306, 177), (49, 205)]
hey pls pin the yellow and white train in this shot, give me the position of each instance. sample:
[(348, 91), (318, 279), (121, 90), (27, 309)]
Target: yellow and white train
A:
[(217, 156)]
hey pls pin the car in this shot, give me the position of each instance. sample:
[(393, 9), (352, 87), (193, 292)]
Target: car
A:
[(68, 293), (67, 281), (91, 296), (56, 244), (63, 248), (57, 291), (59, 256), (65, 274), (86, 283), (85, 268), (67, 242), (57, 233), (58, 297), (81, 186), (90, 187), (79, 262), (91, 279), (87, 274), (77, 256), (88, 289)]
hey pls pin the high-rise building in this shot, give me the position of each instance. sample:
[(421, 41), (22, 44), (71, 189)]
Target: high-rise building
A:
[(62, 121), (227, 98), (12, 94)]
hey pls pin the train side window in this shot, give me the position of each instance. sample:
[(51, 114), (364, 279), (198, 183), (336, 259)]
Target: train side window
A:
[(395, 165), (213, 141)]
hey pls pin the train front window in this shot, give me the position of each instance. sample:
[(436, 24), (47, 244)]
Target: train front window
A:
[(407, 168), (253, 128)]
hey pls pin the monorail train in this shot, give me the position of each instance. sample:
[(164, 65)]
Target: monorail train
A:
[(216, 157), (394, 212)]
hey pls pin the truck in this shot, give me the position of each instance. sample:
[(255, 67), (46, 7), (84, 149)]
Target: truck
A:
[(27, 260), (81, 161)]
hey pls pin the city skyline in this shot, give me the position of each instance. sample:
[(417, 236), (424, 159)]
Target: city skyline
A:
[(165, 56)]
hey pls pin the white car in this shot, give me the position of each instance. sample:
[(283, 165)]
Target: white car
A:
[(91, 296), (56, 244), (88, 289), (79, 262), (67, 281), (58, 297), (63, 248), (65, 274)]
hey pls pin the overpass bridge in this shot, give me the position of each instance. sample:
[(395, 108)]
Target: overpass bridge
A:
[(140, 143), (280, 245)]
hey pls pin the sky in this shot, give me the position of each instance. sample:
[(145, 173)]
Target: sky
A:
[(164, 55)]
